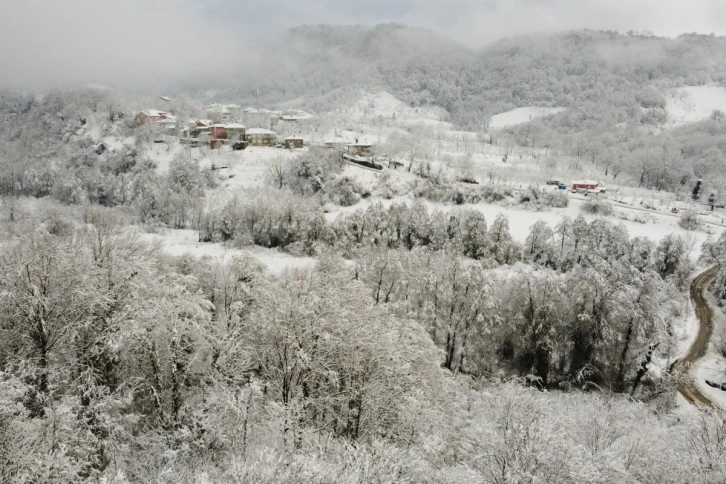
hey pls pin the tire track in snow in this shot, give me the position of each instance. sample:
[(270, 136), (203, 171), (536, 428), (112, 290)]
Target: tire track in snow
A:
[(698, 348)]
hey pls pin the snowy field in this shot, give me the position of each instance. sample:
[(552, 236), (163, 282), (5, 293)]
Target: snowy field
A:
[(521, 115), (251, 168), (177, 242), (385, 105), (694, 103)]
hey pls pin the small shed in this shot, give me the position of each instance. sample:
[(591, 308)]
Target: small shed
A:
[(585, 185), (360, 148), (261, 137), (294, 142)]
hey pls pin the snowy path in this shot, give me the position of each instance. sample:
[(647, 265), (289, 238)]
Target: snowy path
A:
[(690, 390)]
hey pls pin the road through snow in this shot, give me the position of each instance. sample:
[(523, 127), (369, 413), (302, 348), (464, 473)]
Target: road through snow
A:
[(704, 313)]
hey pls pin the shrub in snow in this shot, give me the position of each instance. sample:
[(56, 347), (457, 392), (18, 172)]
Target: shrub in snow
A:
[(538, 198), (345, 191), (458, 193), (428, 190), (389, 187), (689, 220), (598, 206), (310, 171)]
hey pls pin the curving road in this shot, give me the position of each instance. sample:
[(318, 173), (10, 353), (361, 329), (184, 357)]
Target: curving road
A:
[(704, 313)]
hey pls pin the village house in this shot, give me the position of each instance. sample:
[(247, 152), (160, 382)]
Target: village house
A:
[(221, 134), (201, 123), (154, 116), (199, 126), (235, 131), (292, 117), (294, 142), (218, 132), (261, 137), (223, 113), (360, 148)]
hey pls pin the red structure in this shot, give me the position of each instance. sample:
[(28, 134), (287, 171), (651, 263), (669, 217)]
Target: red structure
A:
[(150, 115), (585, 185), (218, 131)]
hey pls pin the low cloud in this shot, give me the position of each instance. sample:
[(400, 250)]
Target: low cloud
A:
[(132, 43), (143, 43)]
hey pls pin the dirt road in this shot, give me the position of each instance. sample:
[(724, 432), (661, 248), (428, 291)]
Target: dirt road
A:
[(690, 390)]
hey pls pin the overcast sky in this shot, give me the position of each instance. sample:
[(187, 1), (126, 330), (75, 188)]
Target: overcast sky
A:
[(65, 43)]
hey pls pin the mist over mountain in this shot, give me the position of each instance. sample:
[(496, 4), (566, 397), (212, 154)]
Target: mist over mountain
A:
[(421, 67)]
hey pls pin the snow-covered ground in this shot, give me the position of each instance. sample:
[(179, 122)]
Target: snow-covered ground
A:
[(164, 153), (521, 115), (251, 168), (712, 367), (181, 242), (385, 105), (694, 103), (685, 331)]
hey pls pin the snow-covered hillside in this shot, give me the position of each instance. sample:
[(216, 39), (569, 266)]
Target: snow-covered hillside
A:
[(385, 105), (521, 115), (694, 103)]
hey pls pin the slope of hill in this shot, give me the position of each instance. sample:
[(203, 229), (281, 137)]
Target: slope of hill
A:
[(573, 69)]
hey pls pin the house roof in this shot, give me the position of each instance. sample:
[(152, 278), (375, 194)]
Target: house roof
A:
[(260, 131), (221, 108), (251, 110), (154, 113), (294, 137), (295, 114), (234, 126), (586, 182)]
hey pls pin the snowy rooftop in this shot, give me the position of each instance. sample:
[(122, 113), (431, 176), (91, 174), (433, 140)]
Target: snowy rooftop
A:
[(154, 113), (221, 108), (295, 114), (261, 111), (260, 131), (586, 182), (294, 137)]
